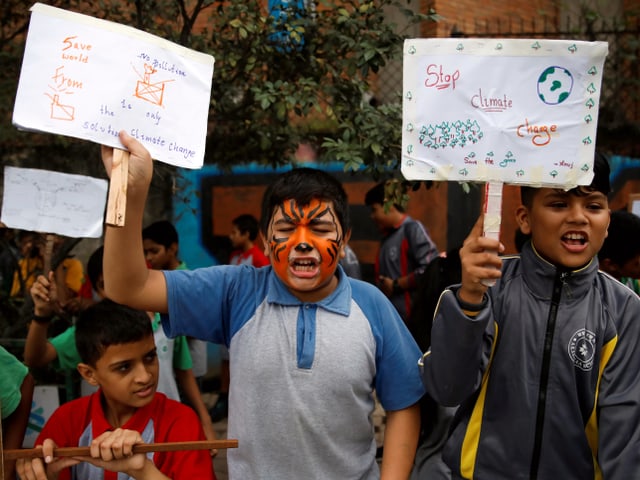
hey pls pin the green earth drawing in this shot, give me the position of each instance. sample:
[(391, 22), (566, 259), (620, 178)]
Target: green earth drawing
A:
[(554, 85)]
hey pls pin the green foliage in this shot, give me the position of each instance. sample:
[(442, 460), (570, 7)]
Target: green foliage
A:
[(268, 95)]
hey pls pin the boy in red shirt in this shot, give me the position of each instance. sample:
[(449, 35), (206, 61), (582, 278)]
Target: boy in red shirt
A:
[(244, 231), (119, 356)]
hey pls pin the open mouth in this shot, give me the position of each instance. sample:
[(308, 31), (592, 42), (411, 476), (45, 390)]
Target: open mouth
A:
[(146, 391), (575, 239), (304, 265)]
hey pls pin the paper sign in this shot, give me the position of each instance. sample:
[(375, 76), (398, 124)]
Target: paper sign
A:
[(53, 202), (634, 203), (90, 78), (46, 400), (508, 110)]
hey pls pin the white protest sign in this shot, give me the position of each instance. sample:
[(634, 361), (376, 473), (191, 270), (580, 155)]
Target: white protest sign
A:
[(53, 202), (90, 78), (45, 401), (506, 110)]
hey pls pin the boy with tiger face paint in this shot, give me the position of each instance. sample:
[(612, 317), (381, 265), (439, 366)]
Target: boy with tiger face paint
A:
[(308, 346), (305, 245)]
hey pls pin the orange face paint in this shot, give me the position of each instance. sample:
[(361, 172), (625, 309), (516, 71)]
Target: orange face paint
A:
[(305, 242)]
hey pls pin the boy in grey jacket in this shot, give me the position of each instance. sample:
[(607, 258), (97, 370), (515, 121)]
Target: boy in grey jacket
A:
[(543, 364)]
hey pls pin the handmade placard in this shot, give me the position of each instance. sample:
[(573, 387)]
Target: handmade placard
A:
[(53, 202), (46, 400), (507, 110), (89, 78), (634, 203)]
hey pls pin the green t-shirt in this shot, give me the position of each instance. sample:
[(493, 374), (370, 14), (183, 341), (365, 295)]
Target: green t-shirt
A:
[(65, 345), (632, 283), (12, 375), (181, 356)]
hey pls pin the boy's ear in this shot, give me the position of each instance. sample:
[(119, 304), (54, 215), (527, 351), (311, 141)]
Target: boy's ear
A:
[(88, 373), (265, 244), (173, 249), (345, 241), (522, 217)]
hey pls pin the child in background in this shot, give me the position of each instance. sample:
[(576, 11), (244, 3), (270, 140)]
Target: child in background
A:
[(30, 263), (308, 345), (620, 253), (39, 350), (244, 232), (118, 356), (69, 272), (405, 249)]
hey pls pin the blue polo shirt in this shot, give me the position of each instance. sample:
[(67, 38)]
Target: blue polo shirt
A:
[(302, 374)]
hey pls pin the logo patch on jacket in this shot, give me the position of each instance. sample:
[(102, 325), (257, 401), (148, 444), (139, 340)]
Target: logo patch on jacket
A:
[(582, 349)]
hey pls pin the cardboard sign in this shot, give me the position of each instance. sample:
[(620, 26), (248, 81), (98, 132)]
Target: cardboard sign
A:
[(53, 202), (89, 78), (507, 110)]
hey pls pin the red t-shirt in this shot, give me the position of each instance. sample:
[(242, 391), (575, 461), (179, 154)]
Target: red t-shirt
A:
[(253, 256), (79, 421)]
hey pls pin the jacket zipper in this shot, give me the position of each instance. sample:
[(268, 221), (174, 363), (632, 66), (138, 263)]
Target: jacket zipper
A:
[(544, 373)]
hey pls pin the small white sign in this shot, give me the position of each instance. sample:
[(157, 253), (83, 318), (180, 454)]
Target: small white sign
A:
[(45, 401), (53, 202), (509, 110), (635, 205), (90, 78)]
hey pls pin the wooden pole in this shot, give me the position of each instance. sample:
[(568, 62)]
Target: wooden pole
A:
[(48, 253), (117, 199), (492, 215), (138, 448)]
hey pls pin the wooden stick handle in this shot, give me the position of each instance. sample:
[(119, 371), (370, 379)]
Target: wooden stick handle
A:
[(139, 448), (48, 253), (492, 216), (117, 199)]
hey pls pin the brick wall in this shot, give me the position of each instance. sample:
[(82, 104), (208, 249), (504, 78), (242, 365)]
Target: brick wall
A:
[(467, 16)]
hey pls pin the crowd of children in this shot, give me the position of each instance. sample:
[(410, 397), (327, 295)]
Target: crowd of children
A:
[(537, 371)]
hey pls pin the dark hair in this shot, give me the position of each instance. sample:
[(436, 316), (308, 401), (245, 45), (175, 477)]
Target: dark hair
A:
[(622, 243), (108, 323), (303, 185), (94, 266), (162, 232), (600, 182), (376, 194), (247, 223)]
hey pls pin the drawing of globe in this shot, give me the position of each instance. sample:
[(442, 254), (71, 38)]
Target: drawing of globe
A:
[(554, 85)]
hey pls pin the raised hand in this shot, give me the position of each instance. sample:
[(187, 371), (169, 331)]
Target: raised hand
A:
[(44, 295), (140, 163), (480, 261)]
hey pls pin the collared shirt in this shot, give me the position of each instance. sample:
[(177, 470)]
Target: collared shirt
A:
[(78, 422), (302, 374)]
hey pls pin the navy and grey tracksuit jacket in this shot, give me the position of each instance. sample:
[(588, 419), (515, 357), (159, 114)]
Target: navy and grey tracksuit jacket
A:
[(547, 375)]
